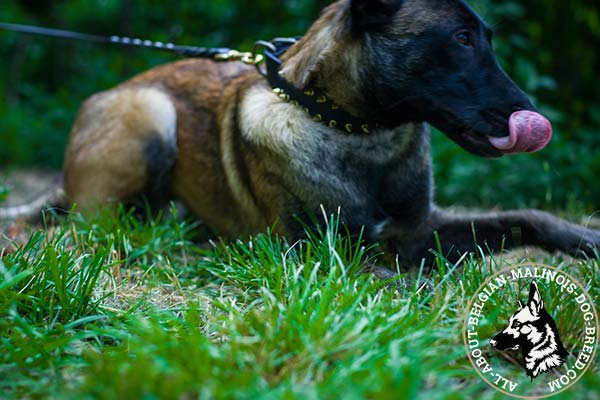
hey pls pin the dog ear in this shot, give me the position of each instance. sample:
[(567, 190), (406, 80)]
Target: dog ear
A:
[(520, 304), (367, 14), (535, 302)]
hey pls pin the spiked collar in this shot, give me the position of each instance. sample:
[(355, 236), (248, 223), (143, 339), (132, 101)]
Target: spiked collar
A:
[(313, 101)]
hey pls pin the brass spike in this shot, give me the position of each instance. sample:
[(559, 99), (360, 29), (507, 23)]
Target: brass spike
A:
[(365, 128), (334, 106), (306, 110), (294, 103), (321, 99), (277, 90), (309, 92), (284, 97), (348, 128), (332, 123), (318, 118)]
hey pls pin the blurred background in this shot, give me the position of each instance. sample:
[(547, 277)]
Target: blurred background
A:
[(551, 48)]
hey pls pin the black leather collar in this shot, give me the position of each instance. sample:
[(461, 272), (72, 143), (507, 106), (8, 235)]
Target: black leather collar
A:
[(312, 100)]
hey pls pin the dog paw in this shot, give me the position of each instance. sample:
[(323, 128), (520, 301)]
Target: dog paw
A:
[(396, 281), (588, 245)]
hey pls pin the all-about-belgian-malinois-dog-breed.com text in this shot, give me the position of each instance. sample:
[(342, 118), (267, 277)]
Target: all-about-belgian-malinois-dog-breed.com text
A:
[(220, 138)]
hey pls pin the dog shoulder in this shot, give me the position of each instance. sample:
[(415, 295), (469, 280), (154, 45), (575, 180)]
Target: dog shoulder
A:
[(266, 121)]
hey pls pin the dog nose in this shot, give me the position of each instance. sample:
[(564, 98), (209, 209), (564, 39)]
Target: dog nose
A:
[(493, 342)]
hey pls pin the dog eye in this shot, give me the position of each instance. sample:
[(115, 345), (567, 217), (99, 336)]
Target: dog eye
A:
[(463, 37)]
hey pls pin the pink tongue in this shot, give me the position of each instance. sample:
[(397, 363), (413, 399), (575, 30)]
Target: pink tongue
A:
[(529, 132)]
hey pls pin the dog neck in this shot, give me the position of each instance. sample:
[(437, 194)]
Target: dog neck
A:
[(315, 102), (324, 58), (545, 355), (324, 64)]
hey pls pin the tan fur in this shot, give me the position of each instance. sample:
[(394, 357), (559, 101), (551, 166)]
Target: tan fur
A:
[(103, 162), (327, 57), (233, 169)]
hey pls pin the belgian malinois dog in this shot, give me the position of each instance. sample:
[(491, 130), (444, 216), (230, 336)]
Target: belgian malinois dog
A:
[(216, 135)]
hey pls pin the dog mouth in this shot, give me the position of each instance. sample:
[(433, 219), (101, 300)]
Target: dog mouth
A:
[(494, 343), (477, 145), (528, 132)]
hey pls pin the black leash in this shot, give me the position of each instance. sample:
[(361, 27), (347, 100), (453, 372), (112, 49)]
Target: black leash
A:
[(312, 100), (220, 54)]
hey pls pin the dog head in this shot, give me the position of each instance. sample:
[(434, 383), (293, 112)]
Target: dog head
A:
[(533, 330), (525, 327), (400, 61)]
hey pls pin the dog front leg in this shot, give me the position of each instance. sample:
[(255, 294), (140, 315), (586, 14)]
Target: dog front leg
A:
[(458, 234)]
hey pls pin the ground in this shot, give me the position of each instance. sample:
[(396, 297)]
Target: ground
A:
[(123, 307)]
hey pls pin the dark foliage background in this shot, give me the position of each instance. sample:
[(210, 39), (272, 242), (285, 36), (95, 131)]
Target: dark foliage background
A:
[(549, 47)]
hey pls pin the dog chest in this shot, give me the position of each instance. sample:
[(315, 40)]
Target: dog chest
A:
[(323, 166)]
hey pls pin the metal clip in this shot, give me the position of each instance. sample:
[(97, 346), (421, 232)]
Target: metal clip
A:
[(245, 57), (231, 55)]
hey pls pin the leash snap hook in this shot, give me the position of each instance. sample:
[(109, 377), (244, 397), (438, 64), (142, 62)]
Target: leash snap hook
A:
[(245, 57), (230, 55)]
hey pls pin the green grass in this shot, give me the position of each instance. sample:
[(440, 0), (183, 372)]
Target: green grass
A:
[(3, 193), (119, 308)]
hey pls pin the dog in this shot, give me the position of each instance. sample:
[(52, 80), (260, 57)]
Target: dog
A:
[(534, 331), (243, 157)]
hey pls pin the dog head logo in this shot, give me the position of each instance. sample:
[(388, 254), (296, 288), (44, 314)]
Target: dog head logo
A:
[(533, 330)]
